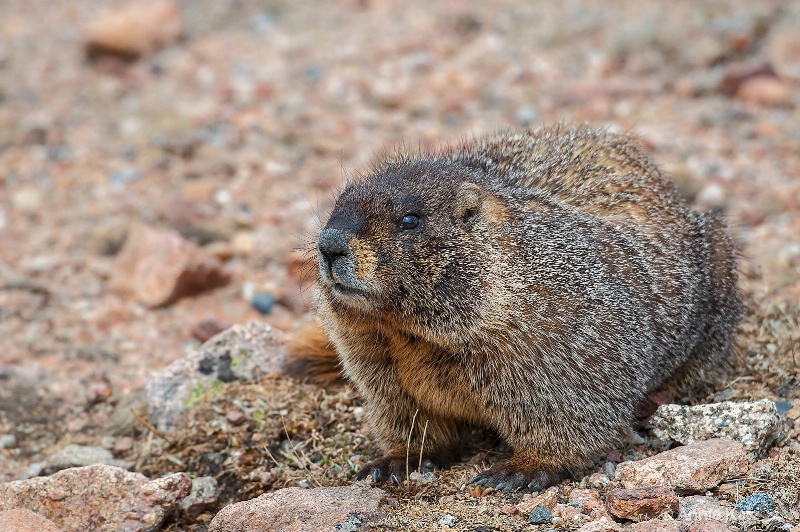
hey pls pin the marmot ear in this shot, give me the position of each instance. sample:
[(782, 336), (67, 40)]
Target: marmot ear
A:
[(467, 206)]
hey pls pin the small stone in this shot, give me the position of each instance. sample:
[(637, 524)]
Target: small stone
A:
[(208, 328), (783, 49), (448, 520), (697, 467), (586, 499), (8, 441), (123, 444), (754, 424), (767, 91), (759, 501), (263, 302), (604, 524), (202, 498), (697, 508), (567, 511), (134, 29), (657, 525), (125, 176), (783, 407), (74, 455), (641, 504), (509, 509), (158, 266), (709, 525), (597, 480), (235, 417), (297, 509), (34, 470), (243, 243), (21, 520), (548, 499), (540, 515)]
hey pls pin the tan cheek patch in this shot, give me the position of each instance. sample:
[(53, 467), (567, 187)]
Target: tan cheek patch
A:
[(494, 210), (365, 258)]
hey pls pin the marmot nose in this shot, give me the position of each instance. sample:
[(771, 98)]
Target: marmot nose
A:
[(333, 244)]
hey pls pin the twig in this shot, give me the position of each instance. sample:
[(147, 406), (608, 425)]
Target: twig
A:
[(150, 427), (408, 447), (422, 445)]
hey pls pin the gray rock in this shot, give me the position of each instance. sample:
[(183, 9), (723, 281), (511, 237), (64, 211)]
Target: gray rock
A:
[(98, 497), (448, 520), (540, 515), (755, 424), (8, 441), (696, 508), (202, 498), (759, 501), (81, 455), (297, 509), (244, 352)]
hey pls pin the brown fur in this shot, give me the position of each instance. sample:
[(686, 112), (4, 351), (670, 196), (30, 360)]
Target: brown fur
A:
[(553, 280)]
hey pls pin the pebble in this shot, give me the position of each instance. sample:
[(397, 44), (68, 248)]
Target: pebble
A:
[(766, 91), (641, 504), (783, 407), (759, 501), (783, 49), (448, 520), (203, 497), (74, 455), (8, 441), (34, 470), (540, 515), (134, 29), (263, 302)]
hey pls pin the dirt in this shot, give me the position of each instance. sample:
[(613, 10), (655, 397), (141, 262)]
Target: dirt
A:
[(238, 136)]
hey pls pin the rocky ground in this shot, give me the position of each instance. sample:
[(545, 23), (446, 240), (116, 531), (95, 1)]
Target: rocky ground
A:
[(159, 168)]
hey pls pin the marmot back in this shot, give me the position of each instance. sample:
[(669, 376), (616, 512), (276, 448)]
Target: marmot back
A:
[(539, 284)]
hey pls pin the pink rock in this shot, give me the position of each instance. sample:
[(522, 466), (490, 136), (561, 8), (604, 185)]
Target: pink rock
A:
[(134, 29), (657, 525), (766, 91), (159, 266), (587, 499), (784, 51), (548, 499), (641, 504), (98, 497), (21, 520), (604, 524), (296, 509), (692, 468), (710, 525)]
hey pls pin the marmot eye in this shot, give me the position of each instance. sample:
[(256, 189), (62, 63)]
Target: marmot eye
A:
[(409, 222)]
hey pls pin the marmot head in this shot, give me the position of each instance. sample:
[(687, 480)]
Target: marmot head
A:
[(409, 244)]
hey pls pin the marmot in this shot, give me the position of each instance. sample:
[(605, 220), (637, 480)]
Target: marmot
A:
[(539, 284)]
